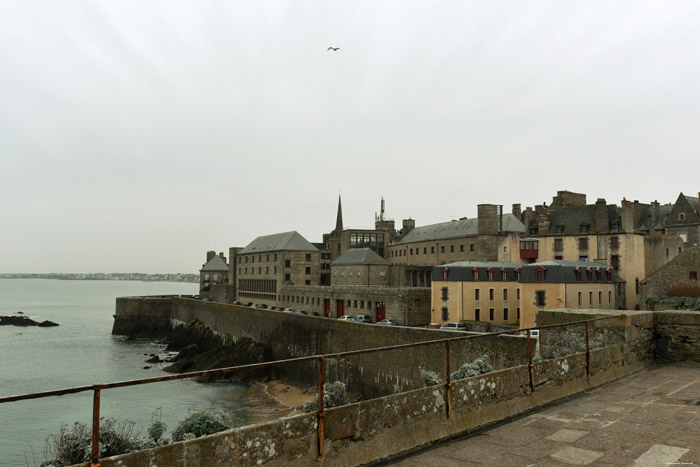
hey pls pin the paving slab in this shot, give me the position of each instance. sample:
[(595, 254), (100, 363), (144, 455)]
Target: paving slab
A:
[(649, 418)]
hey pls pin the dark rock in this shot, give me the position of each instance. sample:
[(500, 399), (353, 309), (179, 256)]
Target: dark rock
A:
[(155, 359), (23, 321), (146, 367), (47, 324), (20, 313)]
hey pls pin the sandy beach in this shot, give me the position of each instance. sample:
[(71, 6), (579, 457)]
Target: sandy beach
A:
[(288, 395)]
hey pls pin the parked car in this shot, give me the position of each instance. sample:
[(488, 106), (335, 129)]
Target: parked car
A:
[(454, 327), (346, 318), (363, 318), (236, 303), (432, 326), (313, 313), (248, 304), (388, 322), (261, 305), (288, 310), (300, 312)]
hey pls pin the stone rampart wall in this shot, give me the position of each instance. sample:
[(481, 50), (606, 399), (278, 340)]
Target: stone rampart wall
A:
[(380, 428)]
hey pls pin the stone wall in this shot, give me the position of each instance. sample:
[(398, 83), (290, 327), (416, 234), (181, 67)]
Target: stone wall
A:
[(377, 429), (674, 273), (677, 335), (142, 316)]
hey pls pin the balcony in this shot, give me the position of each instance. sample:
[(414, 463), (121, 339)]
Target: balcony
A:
[(529, 248)]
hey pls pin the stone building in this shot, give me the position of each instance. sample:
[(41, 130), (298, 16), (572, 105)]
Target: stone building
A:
[(269, 262), (213, 277), (684, 219), (680, 274), (511, 293), (492, 236), (476, 291), (618, 236), (556, 284)]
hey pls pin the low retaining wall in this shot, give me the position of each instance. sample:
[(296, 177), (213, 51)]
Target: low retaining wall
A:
[(677, 335), (380, 428)]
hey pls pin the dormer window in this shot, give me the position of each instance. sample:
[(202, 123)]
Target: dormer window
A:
[(477, 274), (681, 216), (559, 229), (491, 275), (610, 275), (599, 274), (517, 274), (533, 230), (614, 226), (590, 274), (585, 228), (444, 274), (539, 274), (578, 274), (504, 274)]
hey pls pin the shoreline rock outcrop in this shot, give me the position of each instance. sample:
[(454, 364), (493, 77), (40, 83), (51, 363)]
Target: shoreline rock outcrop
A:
[(24, 321)]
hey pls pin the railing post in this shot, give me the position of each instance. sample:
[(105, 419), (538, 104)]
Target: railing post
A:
[(320, 413), (529, 362), (448, 380), (588, 355), (95, 454)]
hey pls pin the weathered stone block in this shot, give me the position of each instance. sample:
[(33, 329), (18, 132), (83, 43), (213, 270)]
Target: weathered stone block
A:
[(371, 418), (341, 422), (259, 443)]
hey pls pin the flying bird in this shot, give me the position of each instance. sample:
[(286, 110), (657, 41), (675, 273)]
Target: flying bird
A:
[(334, 49)]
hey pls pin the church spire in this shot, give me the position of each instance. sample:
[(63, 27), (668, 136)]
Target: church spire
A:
[(339, 219)]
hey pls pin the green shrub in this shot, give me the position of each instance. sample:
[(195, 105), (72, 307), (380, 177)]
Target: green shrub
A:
[(429, 378), (202, 424), (334, 395), (479, 366)]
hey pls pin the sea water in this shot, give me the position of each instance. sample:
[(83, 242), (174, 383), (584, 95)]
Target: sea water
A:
[(82, 351)]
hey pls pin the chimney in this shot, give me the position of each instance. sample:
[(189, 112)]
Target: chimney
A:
[(626, 216), (654, 214), (487, 219), (602, 220), (543, 219), (408, 225), (517, 212), (221, 254), (210, 255)]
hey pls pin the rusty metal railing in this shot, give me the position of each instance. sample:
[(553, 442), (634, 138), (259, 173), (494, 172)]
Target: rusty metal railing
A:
[(319, 359)]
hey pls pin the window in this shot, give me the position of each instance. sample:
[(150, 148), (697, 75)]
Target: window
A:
[(517, 311), (442, 249), (583, 243), (517, 274), (559, 229), (452, 248), (425, 251), (490, 273), (445, 315), (259, 258), (533, 231), (504, 275), (590, 298), (287, 277), (559, 257), (476, 294), (491, 314), (444, 274), (599, 274), (411, 251), (692, 275), (358, 273), (275, 256), (477, 274), (584, 228), (614, 226), (308, 270), (491, 294), (583, 258), (579, 299), (471, 247), (636, 285), (540, 298), (600, 298), (477, 314), (461, 248), (558, 244), (505, 314), (287, 263), (349, 273), (260, 270), (252, 259), (610, 275), (444, 294), (432, 249), (590, 274), (615, 262), (267, 258), (505, 294), (505, 249), (609, 296), (539, 274), (267, 269), (517, 293), (614, 242), (308, 282), (681, 216)]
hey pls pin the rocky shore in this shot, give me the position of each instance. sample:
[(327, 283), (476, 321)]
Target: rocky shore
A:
[(201, 349)]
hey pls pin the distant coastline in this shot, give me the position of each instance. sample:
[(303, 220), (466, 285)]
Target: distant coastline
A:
[(112, 276)]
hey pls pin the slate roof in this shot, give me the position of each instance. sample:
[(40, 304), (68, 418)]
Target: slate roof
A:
[(694, 203), (464, 270), (285, 241), (645, 225), (571, 219), (560, 271), (216, 264), (455, 229), (359, 256)]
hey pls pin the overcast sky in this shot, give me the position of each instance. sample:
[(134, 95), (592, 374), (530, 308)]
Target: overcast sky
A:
[(136, 135)]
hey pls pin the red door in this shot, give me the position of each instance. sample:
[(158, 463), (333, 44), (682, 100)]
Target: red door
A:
[(381, 311), (326, 307), (339, 308)]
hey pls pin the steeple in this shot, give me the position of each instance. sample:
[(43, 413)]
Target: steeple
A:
[(339, 219)]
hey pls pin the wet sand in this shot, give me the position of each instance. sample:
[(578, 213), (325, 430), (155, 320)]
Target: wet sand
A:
[(288, 395)]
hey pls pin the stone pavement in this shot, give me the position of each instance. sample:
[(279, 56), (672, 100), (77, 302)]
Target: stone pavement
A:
[(651, 418)]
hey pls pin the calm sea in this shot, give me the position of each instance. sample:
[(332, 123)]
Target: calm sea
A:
[(82, 351)]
